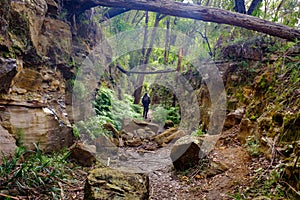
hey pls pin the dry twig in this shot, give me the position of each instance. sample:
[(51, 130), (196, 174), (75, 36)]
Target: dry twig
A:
[(61, 190), (291, 187), (8, 196)]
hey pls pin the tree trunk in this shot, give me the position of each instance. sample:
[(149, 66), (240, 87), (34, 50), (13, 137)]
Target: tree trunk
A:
[(145, 59), (140, 79), (253, 6), (180, 51), (204, 13), (167, 43), (240, 6)]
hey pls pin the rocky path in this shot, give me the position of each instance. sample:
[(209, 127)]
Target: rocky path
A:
[(228, 170), (219, 176)]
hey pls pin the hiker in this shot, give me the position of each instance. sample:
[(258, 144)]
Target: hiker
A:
[(145, 102)]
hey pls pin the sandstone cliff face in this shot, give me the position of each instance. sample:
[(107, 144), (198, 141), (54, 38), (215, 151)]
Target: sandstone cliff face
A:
[(38, 49)]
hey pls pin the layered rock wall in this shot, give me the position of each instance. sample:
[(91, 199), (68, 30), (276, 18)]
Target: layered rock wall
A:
[(39, 49)]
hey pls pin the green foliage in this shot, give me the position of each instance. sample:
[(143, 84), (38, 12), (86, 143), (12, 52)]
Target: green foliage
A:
[(31, 172), (103, 102), (258, 11), (243, 64), (161, 114), (63, 14), (120, 24), (173, 115), (76, 132), (20, 136), (267, 184), (93, 127), (124, 108), (197, 132), (252, 146), (109, 109), (10, 164)]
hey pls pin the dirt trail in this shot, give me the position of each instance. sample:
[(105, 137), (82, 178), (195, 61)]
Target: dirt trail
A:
[(205, 184)]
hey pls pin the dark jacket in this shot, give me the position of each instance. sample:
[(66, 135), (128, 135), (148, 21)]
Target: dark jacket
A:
[(146, 100)]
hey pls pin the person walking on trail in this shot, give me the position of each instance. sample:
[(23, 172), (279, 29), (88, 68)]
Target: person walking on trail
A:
[(146, 101)]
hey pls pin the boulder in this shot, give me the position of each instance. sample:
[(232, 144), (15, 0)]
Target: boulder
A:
[(234, 118), (28, 124), (247, 128), (106, 145), (168, 124), (8, 69), (168, 136), (106, 183), (159, 139), (249, 50), (132, 125), (126, 135), (185, 152), (110, 127), (141, 133), (7, 143), (134, 142), (84, 154), (178, 134)]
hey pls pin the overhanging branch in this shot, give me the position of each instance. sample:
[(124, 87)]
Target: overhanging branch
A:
[(204, 13), (112, 13)]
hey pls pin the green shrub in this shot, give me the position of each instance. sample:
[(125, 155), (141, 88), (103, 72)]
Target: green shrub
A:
[(174, 115), (93, 127), (197, 132), (113, 110), (32, 172), (161, 114), (252, 145)]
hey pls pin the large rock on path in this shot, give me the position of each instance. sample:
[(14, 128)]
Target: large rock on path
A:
[(185, 152), (84, 154), (132, 125), (106, 183)]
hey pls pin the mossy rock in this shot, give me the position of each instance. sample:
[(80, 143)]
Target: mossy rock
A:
[(106, 183), (291, 129)]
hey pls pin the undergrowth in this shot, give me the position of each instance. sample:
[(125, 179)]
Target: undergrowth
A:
[(268, 184), (163, 113), (109, 109), (35, 175)]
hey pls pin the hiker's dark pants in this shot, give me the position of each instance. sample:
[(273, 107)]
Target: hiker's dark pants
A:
[(145, 112)]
